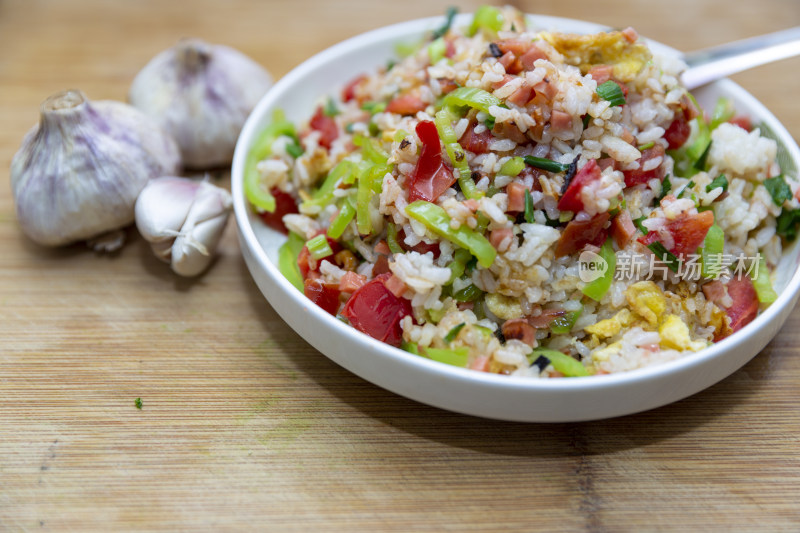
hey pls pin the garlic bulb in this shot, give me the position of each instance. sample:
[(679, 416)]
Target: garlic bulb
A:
[(183, 220), (202, 94), (79, 171)]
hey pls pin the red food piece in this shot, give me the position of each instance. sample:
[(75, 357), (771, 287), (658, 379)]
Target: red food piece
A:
[(374, 310), (308, 264), (544, 319), (637, 176), (395, 285), (381, 266), (622, 229), (349, 90), (678, 132), (421, 247), (406, 104), (325, 295), (447, 85), (284, 205), (743, 122), (521, 96), (560, 121), (499, 235), (571, 199), (477, 143), (578, 234), (745, 302), (351, 282), (516, 197), (431, 177), (510, 63), (519, 329), (601, 73), (327, 127), (529, 58), (688, 232)]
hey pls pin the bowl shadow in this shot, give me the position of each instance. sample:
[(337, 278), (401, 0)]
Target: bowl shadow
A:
[(519, 439)]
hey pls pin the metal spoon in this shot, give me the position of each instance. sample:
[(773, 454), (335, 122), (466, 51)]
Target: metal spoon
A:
[(714, 63)]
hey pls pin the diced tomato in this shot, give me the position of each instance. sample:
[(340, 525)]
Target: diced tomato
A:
[(351, 282), (743, 122), (284, 205), (577, 234), (325, 295), (745, 302), (560, 121), (477, 143), (622, 228), (678, 132), (601, 73), (519, 329), (431, 177), (374, 310), (516, 197), (382, 248), (406, 104), (571, 199), (637, 176), (349, 90), (324, 124)]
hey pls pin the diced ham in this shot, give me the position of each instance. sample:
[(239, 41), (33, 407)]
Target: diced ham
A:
[(571, 199), (622, 228), (637, 176), (601, 73), (382, 248), (351, 282), (519, 329), (477, 143), (546, 317), (510, 63), (498, 237), (507, 130), (745, 302), (560, 121), (678, 132), (447, 86), (521, 96), (408, 104), (578, 233), (395, 285), (531, 56), (630, 34), (516, 197), (381, 266), (714, 291), (481, 364), (506, 78), (546, 89)]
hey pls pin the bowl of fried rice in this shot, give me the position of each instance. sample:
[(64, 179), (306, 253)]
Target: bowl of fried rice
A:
[(520, 217)]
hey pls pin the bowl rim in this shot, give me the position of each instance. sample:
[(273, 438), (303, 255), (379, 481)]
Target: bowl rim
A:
[(596, 382)]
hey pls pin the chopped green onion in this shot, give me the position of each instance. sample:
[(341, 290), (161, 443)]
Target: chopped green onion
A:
[(330, 109), (687, 187), (410, 347), (596, 289), (513, 166), (450, 15), (665, 255), (563, 363), (638, 223), (778, 189), (719, 181), (529, 218), (711, 252), (391, 239), (472, 97), (287, 260), (611, 92), (489, 123), (787, 223), (457, 357), (453, 333), (319, 248), (470, 293), (545, 164), (339, 224), (700, 164), (399, 135), (487, 19), (647, 146), (563, 324), (762, 284), (437, 220), (437, 50), (666, 186)]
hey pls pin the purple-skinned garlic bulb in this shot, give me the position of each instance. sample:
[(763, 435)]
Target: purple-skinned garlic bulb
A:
[(201, 94), (183, 221), (79, 171)]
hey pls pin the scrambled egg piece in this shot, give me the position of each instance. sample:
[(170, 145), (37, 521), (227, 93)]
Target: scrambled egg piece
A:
[(611, 326), (604, 353), (675, 335), (647, 301), (504, 307), (606, 48)]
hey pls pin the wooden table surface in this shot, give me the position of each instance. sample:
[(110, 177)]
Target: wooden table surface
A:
[(244, 426)]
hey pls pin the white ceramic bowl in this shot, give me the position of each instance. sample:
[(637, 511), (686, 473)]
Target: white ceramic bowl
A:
[(461, 390)]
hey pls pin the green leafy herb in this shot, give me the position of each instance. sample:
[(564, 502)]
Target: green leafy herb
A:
[(778, 189), (294, 149), (528, 207), (546, 164), (489, 123), (700, 164), (719, 181), (787, 223), (673, 263), (138, 403), (453, 333), (330, 109), (611, 92), (450, 14)]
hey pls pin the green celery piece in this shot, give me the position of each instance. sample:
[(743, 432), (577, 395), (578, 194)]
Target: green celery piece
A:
[(436, 50), (472, 97), (563, 363), (339, 224), (287, 260), (513, 166), (710, 251), (460, 259), (564, 324), (259, 150), (435, 315), (598, 288), (363, 198), (410, 347), (723, 112), (436, 219), (488, 19), (371, 149), (762, 284), (324, 195), (318, 247), (455, 357), (443, 120)]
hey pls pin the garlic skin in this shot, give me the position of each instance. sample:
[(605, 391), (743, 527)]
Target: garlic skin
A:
[(79, 171), (183, 221), (201, 94)]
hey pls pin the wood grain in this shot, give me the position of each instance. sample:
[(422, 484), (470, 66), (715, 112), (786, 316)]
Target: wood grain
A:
[(244, 426)]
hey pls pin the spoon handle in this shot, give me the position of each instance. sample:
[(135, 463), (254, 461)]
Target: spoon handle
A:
[(714, 63)]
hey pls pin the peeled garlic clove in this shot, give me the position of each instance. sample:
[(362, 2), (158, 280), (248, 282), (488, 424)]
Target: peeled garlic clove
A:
[(79, 171), (202, 94), (183, 220)]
